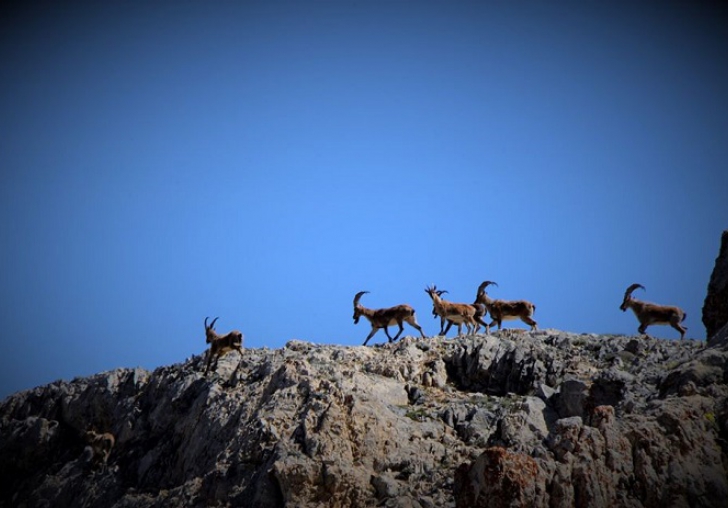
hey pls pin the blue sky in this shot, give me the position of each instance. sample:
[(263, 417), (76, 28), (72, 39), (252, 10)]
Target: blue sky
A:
[(264, 161)]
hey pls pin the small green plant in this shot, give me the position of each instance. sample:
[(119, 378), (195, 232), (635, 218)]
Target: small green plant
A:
[(417, 415), (671, 364), (711, 418)]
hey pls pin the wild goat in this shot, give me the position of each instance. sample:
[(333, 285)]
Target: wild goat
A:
[(653, 314), (504, 310), (221, 344), (458, 313), (480, 311), (383, 318), (99, 448)]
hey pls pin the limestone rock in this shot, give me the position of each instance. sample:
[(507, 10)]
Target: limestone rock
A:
[(543, 418)]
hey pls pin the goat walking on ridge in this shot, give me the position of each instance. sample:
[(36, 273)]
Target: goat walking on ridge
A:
[(383, 318), (480, 312), (653, 314), (458, 313), (505, 310), (221, 344)]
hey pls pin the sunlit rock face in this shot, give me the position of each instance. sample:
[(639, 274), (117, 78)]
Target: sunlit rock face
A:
[(544, 418), (715, 308)]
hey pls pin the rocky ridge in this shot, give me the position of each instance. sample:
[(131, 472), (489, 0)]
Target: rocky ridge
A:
[(545, 418)]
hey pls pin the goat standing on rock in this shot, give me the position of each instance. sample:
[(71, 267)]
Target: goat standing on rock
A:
[(382, 318), (99, 448), (653, 314), (221, 344), (501, 310), (457, 313)]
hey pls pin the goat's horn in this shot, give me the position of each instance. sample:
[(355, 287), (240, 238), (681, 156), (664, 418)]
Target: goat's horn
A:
[(632, 288), (358, 295), (212, 325), (484, 285)]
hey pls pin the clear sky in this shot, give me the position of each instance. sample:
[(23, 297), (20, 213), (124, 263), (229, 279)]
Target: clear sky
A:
[(264, 161)]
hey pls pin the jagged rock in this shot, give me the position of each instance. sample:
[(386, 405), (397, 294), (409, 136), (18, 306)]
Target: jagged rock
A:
[(420, 423), (571, 398), (499, 477), (715, 307)]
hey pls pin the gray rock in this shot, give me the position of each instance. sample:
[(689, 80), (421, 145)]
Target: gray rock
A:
[(715, 307), (471, 421)]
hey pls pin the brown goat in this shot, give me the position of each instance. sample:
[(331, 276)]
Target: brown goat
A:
[(457, 313), (383, 318), (100, 446), (480, 312), (505, 310), (653, 314), (221, 344)]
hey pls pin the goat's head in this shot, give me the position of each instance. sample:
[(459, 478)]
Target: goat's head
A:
[(210, 333), (628, 296), (434, 292), (357, 307), (439, 292)]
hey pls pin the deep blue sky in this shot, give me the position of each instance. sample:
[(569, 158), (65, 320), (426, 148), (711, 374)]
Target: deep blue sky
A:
[(264, 161)]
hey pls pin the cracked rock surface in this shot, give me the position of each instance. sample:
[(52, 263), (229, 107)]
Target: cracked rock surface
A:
[(517, 418)]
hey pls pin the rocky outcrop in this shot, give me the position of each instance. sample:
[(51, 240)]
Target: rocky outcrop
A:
[(715, 308), (542, 418)]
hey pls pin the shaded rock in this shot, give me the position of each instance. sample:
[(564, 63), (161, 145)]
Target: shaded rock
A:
[(571, 398), (715, 307), (499, 477), (608, 388)]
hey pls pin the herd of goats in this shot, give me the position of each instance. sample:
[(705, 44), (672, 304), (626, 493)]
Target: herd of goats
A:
[(469, 314)]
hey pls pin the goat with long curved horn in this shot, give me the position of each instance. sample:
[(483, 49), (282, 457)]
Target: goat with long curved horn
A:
[(221, 344), (383, 318), (505, 310), (653, 314), (457, 313)]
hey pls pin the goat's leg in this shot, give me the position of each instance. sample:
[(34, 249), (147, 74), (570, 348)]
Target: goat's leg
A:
[(442, 325), (209, 359), (447, 328), (371, 334), (643, 329), (401, 329), (487, 328), (677, 326), (530, 322), (413, 323)]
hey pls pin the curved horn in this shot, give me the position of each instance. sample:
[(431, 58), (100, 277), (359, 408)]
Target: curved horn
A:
[(357, 296), (484, 285), (441, 292), (632, 288), (212, 325)]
